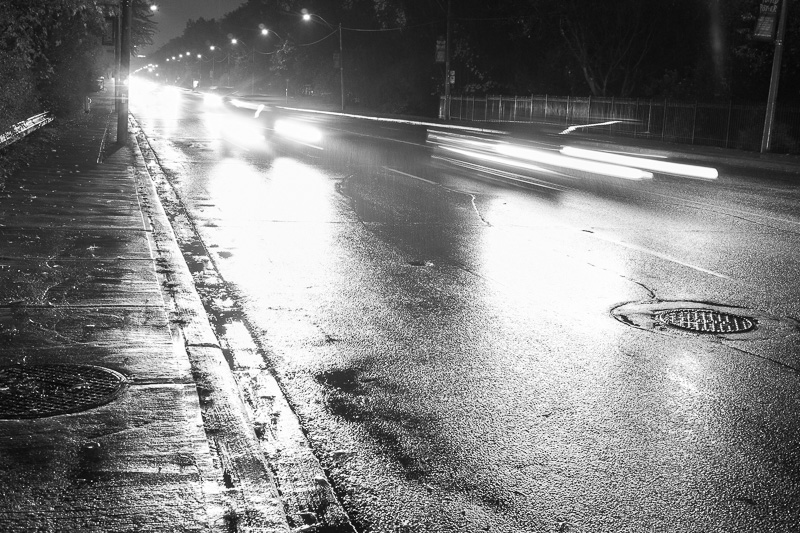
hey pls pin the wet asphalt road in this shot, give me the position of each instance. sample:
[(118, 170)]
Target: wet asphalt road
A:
[(467, 355)]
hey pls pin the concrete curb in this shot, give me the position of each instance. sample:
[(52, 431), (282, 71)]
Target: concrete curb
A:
[(250, 424), (252, 500)]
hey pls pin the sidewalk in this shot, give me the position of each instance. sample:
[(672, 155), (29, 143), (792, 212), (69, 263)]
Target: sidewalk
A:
[(109, 370)]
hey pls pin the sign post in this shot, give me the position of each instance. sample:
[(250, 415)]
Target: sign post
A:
[(766, 21)]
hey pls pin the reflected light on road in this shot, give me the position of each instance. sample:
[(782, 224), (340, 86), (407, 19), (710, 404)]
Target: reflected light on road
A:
[(244, 132), (237, 188), (665, 167), (212, 100), (288, 191), (685, 373), (161, 104), (298, 131)]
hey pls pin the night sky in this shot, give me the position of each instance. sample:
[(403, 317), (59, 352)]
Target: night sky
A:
[(173, 14)]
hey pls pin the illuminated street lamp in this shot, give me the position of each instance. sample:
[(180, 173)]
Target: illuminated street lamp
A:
[(307, 17), (235, 41)]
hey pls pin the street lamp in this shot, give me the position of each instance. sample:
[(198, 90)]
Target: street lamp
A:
[(124, 70), (307, 17), (266, 32), (235, 41)]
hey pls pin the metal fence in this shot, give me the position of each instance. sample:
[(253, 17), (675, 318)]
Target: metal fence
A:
[(724, 125)]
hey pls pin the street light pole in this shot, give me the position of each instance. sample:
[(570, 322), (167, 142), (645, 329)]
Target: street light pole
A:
[(766, 139), (124, 71), (447, 65), (341, 65), (307, 16)]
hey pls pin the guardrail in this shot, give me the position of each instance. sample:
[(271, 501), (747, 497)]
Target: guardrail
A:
[(23, 128)]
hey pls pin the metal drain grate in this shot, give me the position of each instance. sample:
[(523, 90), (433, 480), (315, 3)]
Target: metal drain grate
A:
[(34, 391), (705, 321)]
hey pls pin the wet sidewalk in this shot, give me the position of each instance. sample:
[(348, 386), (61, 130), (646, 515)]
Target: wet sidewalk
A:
[(117, 410)]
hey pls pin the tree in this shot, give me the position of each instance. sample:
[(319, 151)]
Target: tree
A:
[(143, 25), (609, 40), (47, 49)]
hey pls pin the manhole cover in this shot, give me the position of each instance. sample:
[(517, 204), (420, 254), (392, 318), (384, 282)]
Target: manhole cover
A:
[(705, 321), (34, 391)]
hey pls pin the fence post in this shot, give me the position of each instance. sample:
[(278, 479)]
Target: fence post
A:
[(728, 126), (545, 107), (664, 122), (694, 120), (486, 109), (566, 112), (650, 118), (589, 110), (611, 117), (473, 107), (530, 115)]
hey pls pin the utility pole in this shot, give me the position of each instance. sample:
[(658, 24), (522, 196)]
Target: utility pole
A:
[(124, 71), (766, 139), (447, 64), (341, 64)]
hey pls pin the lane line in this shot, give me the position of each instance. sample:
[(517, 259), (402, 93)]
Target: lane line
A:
[(654, 254), (474, 205), (595, 235)]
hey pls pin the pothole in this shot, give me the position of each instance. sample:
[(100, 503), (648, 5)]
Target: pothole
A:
[(36, 391)]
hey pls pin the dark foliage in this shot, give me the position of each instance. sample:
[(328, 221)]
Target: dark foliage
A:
[(688, 49), (51, 52)]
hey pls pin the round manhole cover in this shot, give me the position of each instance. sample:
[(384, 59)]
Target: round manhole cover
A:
[(705, 321), (34, 391)]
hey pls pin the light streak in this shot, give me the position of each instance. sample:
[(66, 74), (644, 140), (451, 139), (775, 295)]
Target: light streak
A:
[(665, 167)]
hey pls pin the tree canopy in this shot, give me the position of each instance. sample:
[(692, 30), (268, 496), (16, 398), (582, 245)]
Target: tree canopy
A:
[(698, 49), (51, 50)]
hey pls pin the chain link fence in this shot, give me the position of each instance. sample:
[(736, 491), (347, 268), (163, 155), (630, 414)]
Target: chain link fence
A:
[(724, 125)]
